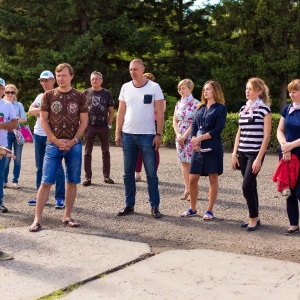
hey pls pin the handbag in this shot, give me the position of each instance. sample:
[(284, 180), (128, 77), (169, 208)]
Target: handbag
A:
[(26, 132), (19, 136)]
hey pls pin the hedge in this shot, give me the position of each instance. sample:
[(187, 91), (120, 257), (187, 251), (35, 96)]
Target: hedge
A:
[(228, 134)]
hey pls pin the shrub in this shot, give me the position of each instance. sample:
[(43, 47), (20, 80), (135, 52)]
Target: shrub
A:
[(228, 134)]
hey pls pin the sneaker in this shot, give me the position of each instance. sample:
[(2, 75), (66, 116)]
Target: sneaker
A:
[(87, 182), (3, 209), (32, 202), (60, 203), (108, 180), (16, 186), (5, 256)]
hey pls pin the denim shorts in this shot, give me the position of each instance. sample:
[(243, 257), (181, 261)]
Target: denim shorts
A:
[(52, 160)]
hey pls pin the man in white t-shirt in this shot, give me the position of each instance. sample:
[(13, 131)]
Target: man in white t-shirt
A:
[(135, 130), (47, 81), (8, 121)]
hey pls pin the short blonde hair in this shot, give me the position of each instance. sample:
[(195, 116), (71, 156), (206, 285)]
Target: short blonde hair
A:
[(188, 82), (294, 85), (137, 60), (62, 66)]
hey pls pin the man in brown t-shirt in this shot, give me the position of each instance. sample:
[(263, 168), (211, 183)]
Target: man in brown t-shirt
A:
[(64, 119), (101, 114)]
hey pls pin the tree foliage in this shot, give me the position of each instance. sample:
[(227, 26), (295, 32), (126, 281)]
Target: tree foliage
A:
[(256, 38), (230, 42)]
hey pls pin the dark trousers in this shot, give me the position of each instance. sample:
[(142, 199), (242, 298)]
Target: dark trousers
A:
[(91, 133), (292, 205), (249, 181)]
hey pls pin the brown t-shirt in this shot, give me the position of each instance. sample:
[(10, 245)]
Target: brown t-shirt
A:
[(64, 110)]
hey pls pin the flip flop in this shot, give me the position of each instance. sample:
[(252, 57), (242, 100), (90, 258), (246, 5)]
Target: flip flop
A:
[(189, 213), (35, 227), (71, 223), (208, 216)]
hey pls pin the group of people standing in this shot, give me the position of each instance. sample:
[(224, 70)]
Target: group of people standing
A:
[(65, 114), (198, 126)]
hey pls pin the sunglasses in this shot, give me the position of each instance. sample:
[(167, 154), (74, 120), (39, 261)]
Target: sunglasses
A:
[(10, 92)]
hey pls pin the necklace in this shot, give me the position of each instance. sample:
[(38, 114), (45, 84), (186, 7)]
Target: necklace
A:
[(209, 106)]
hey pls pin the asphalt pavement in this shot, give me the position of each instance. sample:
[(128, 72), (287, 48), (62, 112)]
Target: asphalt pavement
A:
[(138, 257)]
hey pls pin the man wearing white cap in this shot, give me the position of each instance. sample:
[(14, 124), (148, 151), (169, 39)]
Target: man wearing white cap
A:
[(40, 139), (8, 121)]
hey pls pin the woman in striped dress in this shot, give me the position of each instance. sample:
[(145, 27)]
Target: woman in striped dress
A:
[(251, 143)]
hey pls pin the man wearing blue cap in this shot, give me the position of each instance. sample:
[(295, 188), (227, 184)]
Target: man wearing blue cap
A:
[(8, 121), (40, 139)]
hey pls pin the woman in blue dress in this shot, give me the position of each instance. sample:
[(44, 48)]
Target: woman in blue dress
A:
[(207, 158), (288, 135)]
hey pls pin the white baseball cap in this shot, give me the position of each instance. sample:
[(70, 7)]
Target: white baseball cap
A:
[(46, 75), (2, 82)]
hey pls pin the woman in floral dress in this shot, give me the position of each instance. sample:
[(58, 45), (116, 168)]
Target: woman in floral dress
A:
[(184, 114)]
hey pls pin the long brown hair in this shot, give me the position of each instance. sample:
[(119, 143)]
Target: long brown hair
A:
[(217, 93)]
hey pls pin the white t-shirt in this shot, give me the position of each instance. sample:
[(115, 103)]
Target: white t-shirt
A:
[(7, 113), (139, 115), (38, 129)]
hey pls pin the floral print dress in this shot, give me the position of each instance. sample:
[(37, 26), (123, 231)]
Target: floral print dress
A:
[(185, 113)]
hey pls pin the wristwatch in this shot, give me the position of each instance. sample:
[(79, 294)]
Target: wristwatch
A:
[(159, 134), (76, 139)]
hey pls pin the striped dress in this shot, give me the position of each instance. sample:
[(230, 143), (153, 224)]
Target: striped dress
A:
[(252, 128)]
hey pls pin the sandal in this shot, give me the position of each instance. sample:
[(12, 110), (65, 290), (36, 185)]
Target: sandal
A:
[(71, 223), (35, 227), (208, 216), (185, 196), (189, 213), (291, 231)]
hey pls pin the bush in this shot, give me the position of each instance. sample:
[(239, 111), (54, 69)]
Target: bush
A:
[(228, 134), (30, 121)]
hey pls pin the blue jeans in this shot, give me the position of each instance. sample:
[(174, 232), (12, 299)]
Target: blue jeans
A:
[(12, 142), (2, 165), (39, 149), (53, 158), (131, 144)]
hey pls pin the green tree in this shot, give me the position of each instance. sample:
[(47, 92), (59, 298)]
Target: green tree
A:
[(88, 34), (180, 33), (256, 38)]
